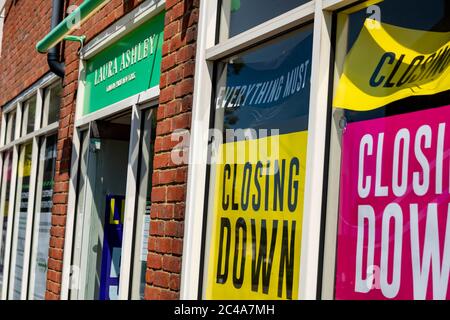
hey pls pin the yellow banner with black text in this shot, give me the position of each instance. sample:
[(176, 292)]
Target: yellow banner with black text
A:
[(388, 63), (257, 219)]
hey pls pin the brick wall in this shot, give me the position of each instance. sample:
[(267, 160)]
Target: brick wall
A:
[(169, 180), (27, 22), (113, 11), (165, 241), (20, 64)]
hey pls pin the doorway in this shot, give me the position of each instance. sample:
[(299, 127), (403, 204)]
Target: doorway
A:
[(112, 208), (108, 143)]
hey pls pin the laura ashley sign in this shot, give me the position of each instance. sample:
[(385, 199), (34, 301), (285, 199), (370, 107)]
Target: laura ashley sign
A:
[(129, 66), (128, 58)]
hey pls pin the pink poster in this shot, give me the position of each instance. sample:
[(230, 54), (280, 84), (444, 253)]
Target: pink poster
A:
[(394, 230)]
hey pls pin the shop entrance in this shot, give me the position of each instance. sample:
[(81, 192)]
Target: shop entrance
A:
[(113, 207), (107, 177)]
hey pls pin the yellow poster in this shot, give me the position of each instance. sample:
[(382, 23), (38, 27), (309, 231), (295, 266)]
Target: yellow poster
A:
[(25, 161), (389, 63), (257, 219)]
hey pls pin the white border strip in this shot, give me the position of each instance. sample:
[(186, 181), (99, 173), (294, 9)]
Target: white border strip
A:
[(312, 212), (195, 198)]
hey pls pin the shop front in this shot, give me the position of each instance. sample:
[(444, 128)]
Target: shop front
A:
[(324, 173), (28, 157), (109, 204)]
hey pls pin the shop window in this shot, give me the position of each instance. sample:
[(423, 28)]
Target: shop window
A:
[(21, 218), (43, 216), (52, 104), (29, 116), (4, 207), (258, 168), (25, 218), (390, 140), (237, 16)]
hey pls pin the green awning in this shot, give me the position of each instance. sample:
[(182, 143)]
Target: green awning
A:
[(69, 24)]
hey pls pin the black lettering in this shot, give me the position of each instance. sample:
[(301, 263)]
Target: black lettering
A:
[(389, 83), (238, 280), (245, 195), (424, 66), (266, 196), (262, 262), (383, 60), (410, 71), (440, 62), (222, 276), (234, 204), (257, 203), (445, 64), (279, 185), (287, 261), (225, 203), (431, 66), (293, 185)]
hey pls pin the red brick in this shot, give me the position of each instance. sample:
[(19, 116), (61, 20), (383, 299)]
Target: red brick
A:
[(157, 228), (169, 295), (154, 261), (161, 279), (159, 194), (152, 293), (176, 193), (174, 282), (172, 264)]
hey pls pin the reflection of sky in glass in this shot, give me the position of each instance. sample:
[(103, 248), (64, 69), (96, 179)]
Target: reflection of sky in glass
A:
[(246, 14), (268, 63)]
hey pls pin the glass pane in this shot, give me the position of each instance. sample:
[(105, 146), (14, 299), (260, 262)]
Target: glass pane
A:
[(10, 126), (237, 16), (44, 205), (143, 206), (5, 191), (29, 116), (258, 166), (23, 188), (12, 134), (52, 104), (389, 172)]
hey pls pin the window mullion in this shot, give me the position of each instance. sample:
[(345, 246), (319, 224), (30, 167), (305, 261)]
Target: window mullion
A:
[(30, 216)]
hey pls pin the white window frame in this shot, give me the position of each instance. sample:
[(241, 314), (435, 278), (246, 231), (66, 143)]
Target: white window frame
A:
[(320, 13), (135, 104), (33, 137)]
